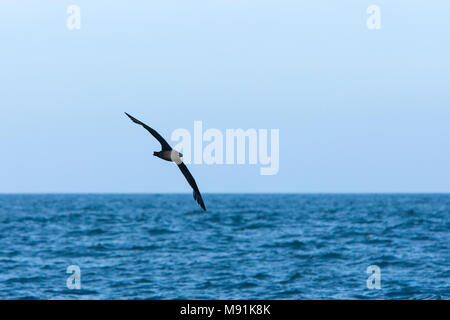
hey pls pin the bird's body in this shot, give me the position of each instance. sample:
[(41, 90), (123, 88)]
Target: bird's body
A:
[(168, 154)]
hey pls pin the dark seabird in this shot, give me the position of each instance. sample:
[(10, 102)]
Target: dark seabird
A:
[(168, 154)]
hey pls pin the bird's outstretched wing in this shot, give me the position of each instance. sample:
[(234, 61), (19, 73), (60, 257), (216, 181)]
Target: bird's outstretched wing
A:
[(164, 144), (190, 179)]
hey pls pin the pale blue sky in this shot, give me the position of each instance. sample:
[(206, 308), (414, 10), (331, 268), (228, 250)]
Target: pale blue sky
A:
[(358, 110)]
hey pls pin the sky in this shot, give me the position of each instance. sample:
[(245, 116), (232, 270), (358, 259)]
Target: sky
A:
[(357, 110)]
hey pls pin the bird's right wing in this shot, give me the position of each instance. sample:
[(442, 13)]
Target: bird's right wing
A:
[(190, 179), (162, 141)]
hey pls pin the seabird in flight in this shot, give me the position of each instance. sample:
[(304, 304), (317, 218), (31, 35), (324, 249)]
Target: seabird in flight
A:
[(168, 154)]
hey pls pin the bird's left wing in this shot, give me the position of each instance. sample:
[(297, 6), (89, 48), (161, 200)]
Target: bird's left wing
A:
[(162, 141), (190, 179)]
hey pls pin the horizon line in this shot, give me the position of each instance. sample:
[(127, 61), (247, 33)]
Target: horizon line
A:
[(230, 193)]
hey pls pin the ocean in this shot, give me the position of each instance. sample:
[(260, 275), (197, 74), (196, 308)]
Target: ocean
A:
[(246, 246)]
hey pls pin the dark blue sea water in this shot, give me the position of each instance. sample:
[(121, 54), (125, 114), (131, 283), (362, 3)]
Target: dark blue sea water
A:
[(243, 247)]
